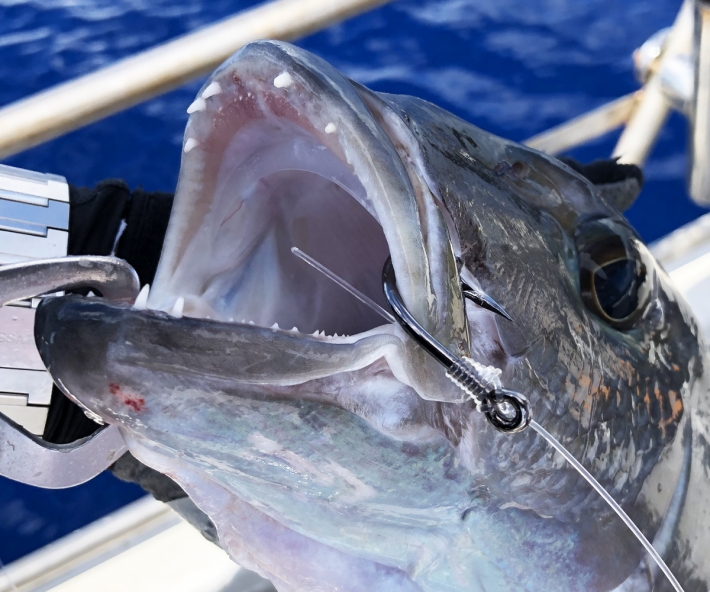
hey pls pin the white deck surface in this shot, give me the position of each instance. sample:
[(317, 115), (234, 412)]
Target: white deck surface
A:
[(142, 547), (146, 547)]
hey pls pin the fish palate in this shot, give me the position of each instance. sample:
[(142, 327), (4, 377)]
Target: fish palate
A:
[(330, 451)]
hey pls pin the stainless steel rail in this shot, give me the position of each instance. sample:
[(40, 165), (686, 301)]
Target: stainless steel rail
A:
[(587, 126), (651, 113), (699, 145), (644, 112), (89, 98)]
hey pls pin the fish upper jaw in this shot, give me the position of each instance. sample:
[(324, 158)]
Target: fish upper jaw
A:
[(281, 151)]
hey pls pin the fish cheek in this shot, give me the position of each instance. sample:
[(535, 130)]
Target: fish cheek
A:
[(514, 339)]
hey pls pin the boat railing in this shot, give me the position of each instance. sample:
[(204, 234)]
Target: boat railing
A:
[(673, 65), (89, 98)]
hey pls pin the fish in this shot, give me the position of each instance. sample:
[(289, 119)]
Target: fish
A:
[(328, 448)]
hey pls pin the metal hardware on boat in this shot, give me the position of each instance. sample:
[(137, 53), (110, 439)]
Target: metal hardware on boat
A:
[(651, 112), (676, 75), (664, 65), (507, 411), (699, 177), (34, 224)]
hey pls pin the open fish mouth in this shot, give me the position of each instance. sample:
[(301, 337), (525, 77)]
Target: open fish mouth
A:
[(273, 162), (281, 151)]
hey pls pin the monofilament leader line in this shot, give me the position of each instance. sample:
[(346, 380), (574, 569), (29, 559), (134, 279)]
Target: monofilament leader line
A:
[(609, 500), (549, 438)]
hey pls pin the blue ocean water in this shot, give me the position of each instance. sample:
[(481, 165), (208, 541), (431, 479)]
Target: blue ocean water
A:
[(513, 67)]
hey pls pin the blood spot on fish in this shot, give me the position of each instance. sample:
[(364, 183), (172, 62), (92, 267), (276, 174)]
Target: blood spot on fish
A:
[(133, 401)]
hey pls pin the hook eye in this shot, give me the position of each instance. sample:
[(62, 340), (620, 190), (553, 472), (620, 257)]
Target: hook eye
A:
[(507, 411)]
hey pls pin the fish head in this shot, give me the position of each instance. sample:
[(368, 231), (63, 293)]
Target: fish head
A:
[(337, 451)]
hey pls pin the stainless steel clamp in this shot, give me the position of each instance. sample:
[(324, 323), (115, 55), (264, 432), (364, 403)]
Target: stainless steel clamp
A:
[(24, 457), (34, 232), (34, 224)]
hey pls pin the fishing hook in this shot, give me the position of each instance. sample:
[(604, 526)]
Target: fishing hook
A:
[(508, 411)]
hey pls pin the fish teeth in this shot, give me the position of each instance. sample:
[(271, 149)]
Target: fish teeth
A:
[(141, 302), (231, 319), (178, 308), (197, 105), (190, 143), (213, 89), (283, 80), (295, 330), (275, 326)]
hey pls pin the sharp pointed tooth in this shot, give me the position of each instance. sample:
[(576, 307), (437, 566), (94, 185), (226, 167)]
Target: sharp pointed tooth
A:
[(275, 326), (294, 330), (197, 105), (141, 302), (213, 89), (231, 319), (178, 308), (190, 143)]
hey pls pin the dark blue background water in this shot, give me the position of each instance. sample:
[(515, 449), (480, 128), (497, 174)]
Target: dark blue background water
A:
[(514, 67)]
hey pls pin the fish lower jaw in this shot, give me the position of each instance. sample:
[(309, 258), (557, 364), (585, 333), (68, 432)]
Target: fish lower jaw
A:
[(198, 309)]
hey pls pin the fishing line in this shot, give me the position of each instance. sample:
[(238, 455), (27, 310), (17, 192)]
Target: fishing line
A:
[(343, 284), (610, 501), (549, 438)]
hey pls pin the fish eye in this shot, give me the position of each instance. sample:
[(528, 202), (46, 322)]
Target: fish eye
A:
[(614, 278)]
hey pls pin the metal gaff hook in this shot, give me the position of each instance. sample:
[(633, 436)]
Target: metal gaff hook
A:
[(506, 410)]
